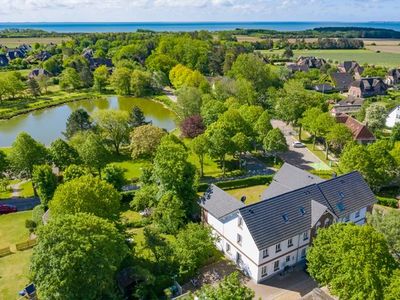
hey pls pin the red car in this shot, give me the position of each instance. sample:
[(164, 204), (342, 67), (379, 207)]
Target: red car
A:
[(6, 209)]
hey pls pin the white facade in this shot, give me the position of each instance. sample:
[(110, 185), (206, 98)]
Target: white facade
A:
[(393, 117)]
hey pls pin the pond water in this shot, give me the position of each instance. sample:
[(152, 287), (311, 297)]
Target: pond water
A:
[(48, 124)]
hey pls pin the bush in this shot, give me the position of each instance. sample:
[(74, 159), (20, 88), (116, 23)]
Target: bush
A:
[(30, 225), (127, 196), (390, 202), (239, 183), (37, 214), (324, 174)]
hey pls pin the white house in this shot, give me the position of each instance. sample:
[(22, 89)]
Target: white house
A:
[(393, 117), (267, 237)]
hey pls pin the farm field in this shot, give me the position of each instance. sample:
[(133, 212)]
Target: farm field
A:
[(15, 42), (338, 55)]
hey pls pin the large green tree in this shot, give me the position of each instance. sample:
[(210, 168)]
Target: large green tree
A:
[(220, 144), (86, 194), (275, 142), (121, 80), (200, 146), (62, 154), (354, 261), (100, 77), (45, 182), (145, 140), (93, 153), (78, 120), (375, 116), (77, 257), (392, 292)]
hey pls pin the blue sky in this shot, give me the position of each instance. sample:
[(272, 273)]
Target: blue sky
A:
[(198, 10)]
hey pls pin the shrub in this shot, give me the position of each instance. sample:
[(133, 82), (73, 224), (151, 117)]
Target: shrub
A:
[(391, 202)]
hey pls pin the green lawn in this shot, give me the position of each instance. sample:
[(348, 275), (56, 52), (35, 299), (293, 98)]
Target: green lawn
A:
[(133, 168), (252, 193), (339, 55), (15, 267), (25, 190)]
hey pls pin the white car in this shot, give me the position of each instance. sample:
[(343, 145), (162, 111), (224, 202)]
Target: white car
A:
[(298, 145)]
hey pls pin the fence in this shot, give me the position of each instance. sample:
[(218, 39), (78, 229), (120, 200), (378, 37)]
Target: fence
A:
[(25, 245), (5, 251)]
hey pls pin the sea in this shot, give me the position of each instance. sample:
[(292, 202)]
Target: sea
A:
[(62, 27)]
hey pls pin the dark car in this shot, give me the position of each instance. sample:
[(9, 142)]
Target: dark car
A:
[(6, 209)]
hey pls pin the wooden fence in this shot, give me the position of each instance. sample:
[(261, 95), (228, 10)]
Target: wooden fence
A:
[(25, 245), (5, 251)]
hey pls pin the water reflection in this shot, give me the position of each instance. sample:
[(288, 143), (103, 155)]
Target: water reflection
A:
[(46, 125)]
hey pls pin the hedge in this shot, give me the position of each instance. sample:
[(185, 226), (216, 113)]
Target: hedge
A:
[(239, 183), (391, 202)]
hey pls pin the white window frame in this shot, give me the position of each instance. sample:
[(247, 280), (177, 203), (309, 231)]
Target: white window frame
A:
[(265, 253), (290, 242), (240, 222), (264, 271), (276, 265), (278, 248), (228, 248), (287, 258), (357, 214), (305, 236), (239, 239)]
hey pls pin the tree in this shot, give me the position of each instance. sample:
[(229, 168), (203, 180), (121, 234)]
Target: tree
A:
[(188, 102), (78, 120), (192, 126), (83, 240), (121, 81), (62, 154), (25, 153), (392, 292), (86, 194), (230, 288), (375, 116), (74, 171), (288, 53), (200, 146), (137, 118), (145, 140), (275, 142), (93, 153), (389, 225), (242, 143), (346, 251), (159, 247), (86, 77), (45, 183), (262, 126), (211, 110), (43, 81), (193, 246), (395, 134), (4, 163), (338, 136), (115, 176), (141, 83), (34, 87), (220, 144), (113, 126), (160, 62), (70, 79), (100, 77), (145, 197), (169, 214)]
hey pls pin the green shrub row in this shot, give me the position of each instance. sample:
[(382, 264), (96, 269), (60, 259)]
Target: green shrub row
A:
[(391, 202), (239, 183)]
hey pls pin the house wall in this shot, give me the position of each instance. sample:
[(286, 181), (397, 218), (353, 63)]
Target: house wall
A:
[(393, 117), (355, 91)]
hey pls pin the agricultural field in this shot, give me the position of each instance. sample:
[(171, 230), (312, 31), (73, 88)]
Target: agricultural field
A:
[(338, 55), (383, 45), (15, 42)]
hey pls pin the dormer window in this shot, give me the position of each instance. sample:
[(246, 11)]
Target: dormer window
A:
[(290, 243), (277, 248), (302, 211), (285, 218), (357, 214)]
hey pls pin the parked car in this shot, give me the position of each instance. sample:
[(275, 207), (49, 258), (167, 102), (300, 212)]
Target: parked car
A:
[(6, 209), (297, 144)]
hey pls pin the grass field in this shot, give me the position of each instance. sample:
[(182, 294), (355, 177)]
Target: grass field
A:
[(14, 268), (362, 56), (253, 193), (24, 72), (15, 42)]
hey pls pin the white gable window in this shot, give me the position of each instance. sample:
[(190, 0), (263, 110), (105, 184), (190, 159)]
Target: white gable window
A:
[(228, 248), (357, 214), (265, 253), (239, 239), (278, 248), (276, 265), (264, 271), (305, 236), (240, 221), (290, 243)]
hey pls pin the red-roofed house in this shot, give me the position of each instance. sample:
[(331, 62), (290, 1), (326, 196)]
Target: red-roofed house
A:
[(360, 132)]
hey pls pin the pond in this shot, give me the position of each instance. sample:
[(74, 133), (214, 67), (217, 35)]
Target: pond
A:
[(48, 124)]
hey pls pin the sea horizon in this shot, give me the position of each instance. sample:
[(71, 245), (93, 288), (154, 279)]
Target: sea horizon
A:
[(89, 27)]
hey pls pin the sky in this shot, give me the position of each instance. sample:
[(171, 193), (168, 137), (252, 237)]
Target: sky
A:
[(197, 10)]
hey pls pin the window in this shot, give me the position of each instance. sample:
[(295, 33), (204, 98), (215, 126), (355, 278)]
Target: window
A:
[(264, 271), (288, 258), (305, 236), (357, 214), (303, 252), (240, 222), (265, 253), (228, 248), (302, 211), (277, 248), (276, 265), (346, 218), (340, 206), (238, 258), (239, 239), (327, 221), (290, 242), (285, 218)]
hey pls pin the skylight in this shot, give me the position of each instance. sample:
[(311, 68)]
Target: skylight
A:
[(285, 218), (340, 206), (302, 211)]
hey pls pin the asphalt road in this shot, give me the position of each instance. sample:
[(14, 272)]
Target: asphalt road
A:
[(22, 203), (299, 157)]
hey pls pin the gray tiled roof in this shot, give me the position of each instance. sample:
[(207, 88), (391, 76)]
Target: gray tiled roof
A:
[(265, 219), (289, 178), (219, 203)]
